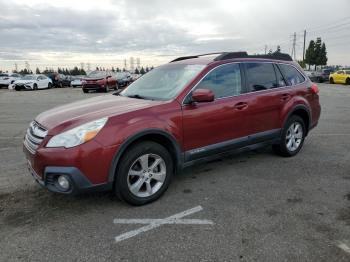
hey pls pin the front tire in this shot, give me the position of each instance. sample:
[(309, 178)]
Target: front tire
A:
[(347, 81), (85, 91), (49, 86), (331, 80), (292, 137), (144, 173), (35, 87)]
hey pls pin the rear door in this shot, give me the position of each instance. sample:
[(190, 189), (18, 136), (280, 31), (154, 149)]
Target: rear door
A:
[(267, 92), (220, 125)]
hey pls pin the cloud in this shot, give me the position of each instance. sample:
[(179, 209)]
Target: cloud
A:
[(106, 31)]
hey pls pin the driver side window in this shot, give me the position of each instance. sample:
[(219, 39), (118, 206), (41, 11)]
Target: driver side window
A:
[(224, 81)]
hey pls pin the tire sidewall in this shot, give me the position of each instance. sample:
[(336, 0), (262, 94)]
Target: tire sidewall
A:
[(121, 183), (289, 122)]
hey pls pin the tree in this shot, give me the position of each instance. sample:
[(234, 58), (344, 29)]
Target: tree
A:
[(302, 63), (137, 71), (37, 70), (113, 70), (310, 55), (278, 50), (316, 53), (322, 57), (142, 71)]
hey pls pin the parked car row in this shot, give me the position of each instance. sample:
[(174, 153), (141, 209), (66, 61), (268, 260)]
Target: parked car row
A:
[(319, 76)]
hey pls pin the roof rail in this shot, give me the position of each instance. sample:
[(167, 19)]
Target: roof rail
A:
[(232, 55), (193, 56), (243, 54)]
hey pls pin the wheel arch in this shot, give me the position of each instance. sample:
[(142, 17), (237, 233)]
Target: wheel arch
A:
[(304, 113), (156, 135)]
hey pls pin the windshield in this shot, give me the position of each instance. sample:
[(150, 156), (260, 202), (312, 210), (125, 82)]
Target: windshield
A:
[(121, 75), (163, 83), (28, 77), (95, 74)]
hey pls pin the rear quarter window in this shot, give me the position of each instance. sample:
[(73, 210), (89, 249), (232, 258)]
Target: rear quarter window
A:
[(260, 76), (292, 75)]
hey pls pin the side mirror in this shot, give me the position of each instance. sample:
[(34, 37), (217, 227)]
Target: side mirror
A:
[(202, 95)]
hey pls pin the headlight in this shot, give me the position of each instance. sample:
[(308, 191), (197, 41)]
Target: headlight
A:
[(77, 135)]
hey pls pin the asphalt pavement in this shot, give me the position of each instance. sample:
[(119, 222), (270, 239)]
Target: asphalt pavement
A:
[(255, 206)]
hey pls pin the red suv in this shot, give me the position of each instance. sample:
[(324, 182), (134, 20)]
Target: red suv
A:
[(99, 81), (191, 110)]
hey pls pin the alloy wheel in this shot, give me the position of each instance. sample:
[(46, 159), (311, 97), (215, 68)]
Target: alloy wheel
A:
[(294, 136), (146, 175)]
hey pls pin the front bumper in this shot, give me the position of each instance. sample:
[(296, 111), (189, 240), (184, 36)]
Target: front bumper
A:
[(78, 182), (22, 87), (94, 87), (86, 167)]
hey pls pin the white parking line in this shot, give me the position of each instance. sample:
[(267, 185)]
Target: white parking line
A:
[(344, 247), (154, 223)]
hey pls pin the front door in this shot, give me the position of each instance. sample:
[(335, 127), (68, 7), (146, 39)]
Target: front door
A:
[(211, 127)]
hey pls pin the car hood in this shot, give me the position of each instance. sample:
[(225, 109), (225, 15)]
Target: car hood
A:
[(74, 114)]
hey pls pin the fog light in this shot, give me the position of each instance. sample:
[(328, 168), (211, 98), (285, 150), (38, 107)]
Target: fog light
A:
[(63, 182)]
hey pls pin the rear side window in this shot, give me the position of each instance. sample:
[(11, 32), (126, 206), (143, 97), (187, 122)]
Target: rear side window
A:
[(292, 75), (260, 76), (224, 81)]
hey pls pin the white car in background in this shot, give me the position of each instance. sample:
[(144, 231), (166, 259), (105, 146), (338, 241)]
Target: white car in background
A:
[(8, 79), (77, 81), (32, 82)]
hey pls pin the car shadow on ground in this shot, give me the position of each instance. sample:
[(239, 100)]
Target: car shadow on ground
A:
[(33, 205)]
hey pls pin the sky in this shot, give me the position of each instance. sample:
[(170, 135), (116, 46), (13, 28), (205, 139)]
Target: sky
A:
[(67, 33)]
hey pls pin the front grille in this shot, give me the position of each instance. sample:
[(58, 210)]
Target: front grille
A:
[(34, 136), (91, 86)]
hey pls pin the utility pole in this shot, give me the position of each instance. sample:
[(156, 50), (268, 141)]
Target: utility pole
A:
[(304, 45), (294, 44), (265, 49)]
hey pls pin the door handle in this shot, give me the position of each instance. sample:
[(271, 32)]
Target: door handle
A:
[(240, 106), (285, 97)]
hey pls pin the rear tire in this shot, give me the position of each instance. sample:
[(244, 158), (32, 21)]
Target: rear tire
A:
[(331, 80), (85, 91), (49, 86), (292, 137), (138, 181), (347, 81)]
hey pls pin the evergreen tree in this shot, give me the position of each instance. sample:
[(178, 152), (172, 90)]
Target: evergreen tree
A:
[(322, 57), (142, 71), (310, 55), (118, 70), (113, 70), (37, 71), (278, 50), (137, 71)]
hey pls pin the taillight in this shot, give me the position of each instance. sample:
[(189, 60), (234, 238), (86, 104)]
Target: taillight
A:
[(314, 89)]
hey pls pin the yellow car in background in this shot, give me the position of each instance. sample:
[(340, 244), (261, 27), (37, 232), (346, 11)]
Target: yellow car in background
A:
[(340, 77)]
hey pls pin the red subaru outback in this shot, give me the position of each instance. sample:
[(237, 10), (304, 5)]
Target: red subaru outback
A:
[(191, 110)]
